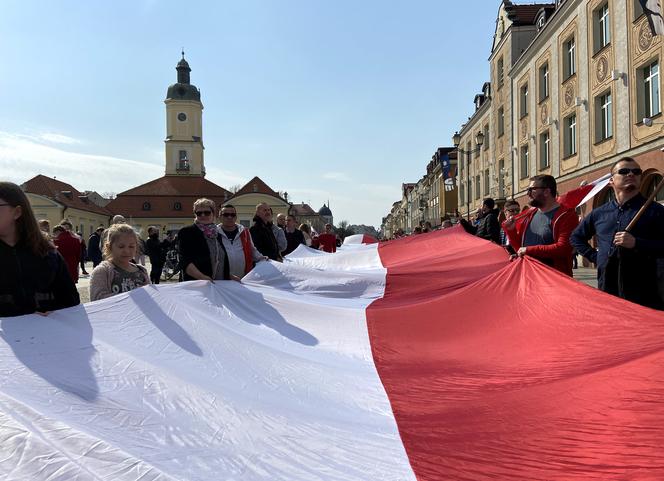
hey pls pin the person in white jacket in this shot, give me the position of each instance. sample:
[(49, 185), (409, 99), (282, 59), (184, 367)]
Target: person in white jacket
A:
[(242, 254)]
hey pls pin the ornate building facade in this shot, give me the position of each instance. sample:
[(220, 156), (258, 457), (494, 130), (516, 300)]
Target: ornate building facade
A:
[(574, 87)]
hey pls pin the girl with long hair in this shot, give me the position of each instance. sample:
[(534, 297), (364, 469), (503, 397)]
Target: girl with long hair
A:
[(118, 273), (34, 275)]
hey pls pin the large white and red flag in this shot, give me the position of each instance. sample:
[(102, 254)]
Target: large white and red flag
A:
[(428, 358)]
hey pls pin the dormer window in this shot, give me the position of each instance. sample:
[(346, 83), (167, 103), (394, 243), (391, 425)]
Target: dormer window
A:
[(147, 206), (255, 187)]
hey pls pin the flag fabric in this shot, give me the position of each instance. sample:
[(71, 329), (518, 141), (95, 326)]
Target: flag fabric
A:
[(445, 165), (359, 239), (653, 10), (426, 358), (579, 196)]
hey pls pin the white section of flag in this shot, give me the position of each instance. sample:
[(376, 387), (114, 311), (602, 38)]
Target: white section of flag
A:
[(598, 185), (199, 381)]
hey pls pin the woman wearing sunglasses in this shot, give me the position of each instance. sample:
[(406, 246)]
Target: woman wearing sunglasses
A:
[(202, 252), (34, 275)]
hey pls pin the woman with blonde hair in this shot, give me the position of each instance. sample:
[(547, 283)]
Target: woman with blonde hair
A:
[(202, 252), (34, 275), (306, 232), (117, 273)]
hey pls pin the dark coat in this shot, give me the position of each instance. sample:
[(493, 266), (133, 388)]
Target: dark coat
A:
[(30, 283), (489, 227), (264, 240), (194, 249), (94, 248), (293, 239), (155, 250)]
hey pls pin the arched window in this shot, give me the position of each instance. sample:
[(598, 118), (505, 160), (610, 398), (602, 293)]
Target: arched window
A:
[(650, 183), (146, 206), (606, 195)]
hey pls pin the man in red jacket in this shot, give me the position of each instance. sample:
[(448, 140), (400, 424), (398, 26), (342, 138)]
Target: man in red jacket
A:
[(544, 230), (69, 247), (328, 239)]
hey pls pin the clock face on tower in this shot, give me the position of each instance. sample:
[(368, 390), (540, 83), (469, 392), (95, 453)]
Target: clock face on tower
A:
[(182, 117)]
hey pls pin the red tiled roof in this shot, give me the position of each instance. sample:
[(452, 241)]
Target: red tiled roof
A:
[(162, 194), (302, 209), (256, 185), (179, 185), (62, 193)]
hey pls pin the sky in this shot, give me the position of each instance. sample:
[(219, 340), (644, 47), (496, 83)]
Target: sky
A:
[(328, 100)]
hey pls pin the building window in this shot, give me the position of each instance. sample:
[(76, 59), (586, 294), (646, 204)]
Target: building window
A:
[(477, 186), (486, 182), (523, 100), (462, 193), (177, 206), (650, 75), (486, 137), (603, 117), (569, 58), (544, 81), (501, 178), (638, 9), (524, 162), (569, 138), (183, 156), (469, 153), (545, 150), (499, 72), (469, 186), (501, 122), (146, 206), (602, 27)]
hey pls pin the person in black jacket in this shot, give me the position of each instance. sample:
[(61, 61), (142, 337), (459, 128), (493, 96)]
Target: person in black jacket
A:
[(294, 236), (34, 275), (488, 226), (202, 253), (94, 247), (154, 248), (262, 234)]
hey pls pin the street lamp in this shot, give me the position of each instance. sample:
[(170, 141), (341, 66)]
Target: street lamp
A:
[(479, 141)]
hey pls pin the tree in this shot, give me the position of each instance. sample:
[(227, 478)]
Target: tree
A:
[(234, 188), (344, 230)]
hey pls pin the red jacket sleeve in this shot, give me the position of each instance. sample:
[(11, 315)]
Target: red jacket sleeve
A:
[(561, 247)]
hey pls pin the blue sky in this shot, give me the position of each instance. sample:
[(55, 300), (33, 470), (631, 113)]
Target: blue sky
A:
[(324, 99)]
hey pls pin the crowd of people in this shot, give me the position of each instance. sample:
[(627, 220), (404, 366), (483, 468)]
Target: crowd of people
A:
[(629, 261), (41, 266)]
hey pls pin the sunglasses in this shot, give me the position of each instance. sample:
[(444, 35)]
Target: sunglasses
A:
[(626, 170), (228, 214), (201, 213)]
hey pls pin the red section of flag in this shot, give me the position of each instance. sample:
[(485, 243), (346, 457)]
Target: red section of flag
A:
[(436, 263), (524, 374), (572, 198)]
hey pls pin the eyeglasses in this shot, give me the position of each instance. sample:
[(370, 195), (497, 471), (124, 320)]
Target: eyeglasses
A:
[(229, 214), (626, 170), (529, 190), (201, 213)]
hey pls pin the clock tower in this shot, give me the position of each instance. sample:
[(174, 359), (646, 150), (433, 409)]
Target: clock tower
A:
[(184, 126)]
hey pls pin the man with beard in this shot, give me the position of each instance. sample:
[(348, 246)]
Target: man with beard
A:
[(544, 230), (639, 249)]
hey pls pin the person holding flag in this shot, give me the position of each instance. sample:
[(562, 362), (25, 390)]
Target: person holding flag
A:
[(543, 231), (626, 258)]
